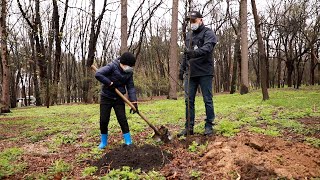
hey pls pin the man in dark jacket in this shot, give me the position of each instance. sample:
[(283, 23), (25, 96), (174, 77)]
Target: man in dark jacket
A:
[(197, 69), (117, 74)]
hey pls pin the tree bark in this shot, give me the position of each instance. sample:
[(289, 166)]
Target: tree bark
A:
[(244, 88), (124, 27), (236, 59), (5, 99), (173, 64), (262, 53)]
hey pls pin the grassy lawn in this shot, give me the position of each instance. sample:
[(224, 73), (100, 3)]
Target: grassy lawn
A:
[(77, 126)]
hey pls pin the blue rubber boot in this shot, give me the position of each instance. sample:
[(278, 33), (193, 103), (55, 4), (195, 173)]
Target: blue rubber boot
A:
[(104, 141), (127, 138)]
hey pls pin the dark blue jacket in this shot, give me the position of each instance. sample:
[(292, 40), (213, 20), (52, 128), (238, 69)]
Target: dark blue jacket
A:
[(203, 42), (112, 72)]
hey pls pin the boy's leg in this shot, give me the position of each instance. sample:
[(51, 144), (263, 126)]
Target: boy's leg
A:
[(119, 109), (105, 110)]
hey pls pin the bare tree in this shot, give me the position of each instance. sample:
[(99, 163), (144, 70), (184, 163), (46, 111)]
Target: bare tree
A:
[(173, 64), (58, 33), (261, 52), (5, 99), (124, 27), (95, 31), (244, 88)]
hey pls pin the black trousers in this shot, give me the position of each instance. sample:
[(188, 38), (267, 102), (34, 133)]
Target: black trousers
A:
[(118, 105)]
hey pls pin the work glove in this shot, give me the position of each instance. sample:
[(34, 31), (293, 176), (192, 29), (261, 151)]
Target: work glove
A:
[(181, 75), (132, 111), (190, 53)]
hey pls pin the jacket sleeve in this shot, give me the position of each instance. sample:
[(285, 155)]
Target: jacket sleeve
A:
[(210, 41), (102, 74), (131, 90)]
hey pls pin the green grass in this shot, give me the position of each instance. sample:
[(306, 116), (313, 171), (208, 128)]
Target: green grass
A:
[(78, 125), (9, 162)]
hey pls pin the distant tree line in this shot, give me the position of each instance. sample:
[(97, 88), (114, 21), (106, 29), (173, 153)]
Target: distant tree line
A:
[(47, 47)]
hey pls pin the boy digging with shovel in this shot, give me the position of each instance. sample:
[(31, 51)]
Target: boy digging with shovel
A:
[(117, 74)]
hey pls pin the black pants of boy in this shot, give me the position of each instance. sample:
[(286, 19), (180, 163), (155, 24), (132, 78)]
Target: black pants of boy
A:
[(118, 105)]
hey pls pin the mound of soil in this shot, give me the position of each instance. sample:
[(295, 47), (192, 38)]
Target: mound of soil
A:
[(146, 158)]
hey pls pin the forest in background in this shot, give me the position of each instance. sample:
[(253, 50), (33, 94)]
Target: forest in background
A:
[(50, 44)]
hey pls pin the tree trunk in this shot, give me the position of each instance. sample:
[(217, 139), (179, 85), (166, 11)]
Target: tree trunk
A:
[(236, 59), (34, 71), (312, 65), (244, 88), (262, 53), (5, 99), (173, 64), (124, 27)]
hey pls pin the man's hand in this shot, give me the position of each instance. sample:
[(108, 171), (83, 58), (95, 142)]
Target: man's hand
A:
[(190, 53), (132, 111), (181, 75)]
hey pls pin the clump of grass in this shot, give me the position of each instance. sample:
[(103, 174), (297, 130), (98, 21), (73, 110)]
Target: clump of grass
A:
[(89, 171), (59, 166), (313, 141), (9, 164), (228, 128)]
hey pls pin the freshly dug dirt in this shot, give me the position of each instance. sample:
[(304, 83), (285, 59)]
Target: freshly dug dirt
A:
[(146, 158), (247, 155)]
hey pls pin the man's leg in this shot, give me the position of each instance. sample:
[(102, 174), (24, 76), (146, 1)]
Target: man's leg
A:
[(190, 93), (206, 89)]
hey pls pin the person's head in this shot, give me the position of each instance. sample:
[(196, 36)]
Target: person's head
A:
[(195, 19), (127, 61)]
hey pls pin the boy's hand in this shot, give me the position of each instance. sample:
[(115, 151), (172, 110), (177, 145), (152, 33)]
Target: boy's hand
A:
[(132, 111)]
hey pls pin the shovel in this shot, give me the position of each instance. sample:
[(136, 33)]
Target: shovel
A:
[(161, 134)]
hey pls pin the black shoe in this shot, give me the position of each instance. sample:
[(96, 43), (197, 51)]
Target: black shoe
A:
[(185, 132), (208, 131)]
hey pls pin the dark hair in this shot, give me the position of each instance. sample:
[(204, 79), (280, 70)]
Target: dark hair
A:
[(128, 58)]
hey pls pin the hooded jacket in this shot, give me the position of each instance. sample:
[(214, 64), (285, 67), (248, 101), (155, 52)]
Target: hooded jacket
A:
[(123, 81), (203, 41)]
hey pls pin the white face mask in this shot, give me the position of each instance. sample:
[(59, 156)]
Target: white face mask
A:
[(128, 69), (194, 26)]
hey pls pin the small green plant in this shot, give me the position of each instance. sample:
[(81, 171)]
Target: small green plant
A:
[(83, 156), (202, 147), (228, 128), (96, 153), (151, 175), (194, 174), (65, 139), (193, 147), (89, 171), (59, 166), (124, 173), (8, 162), (313, 141), (272, 131), (86, 144)]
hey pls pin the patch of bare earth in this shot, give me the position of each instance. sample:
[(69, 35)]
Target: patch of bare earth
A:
[(249, 156)]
